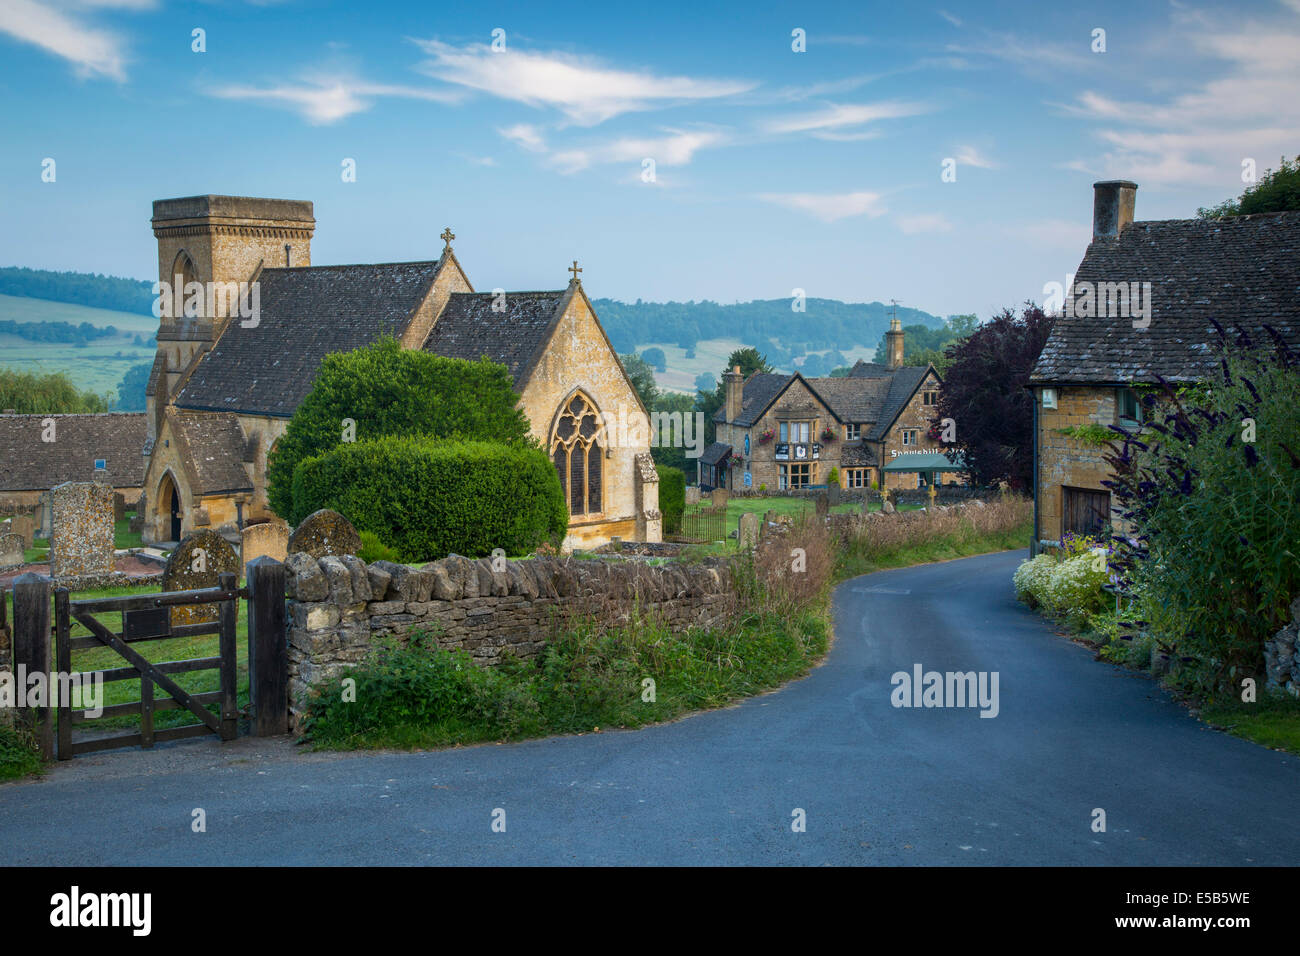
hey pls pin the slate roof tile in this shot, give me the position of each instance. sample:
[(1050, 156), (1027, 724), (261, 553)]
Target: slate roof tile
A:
[(469, 328), (1243, 271), (29, 464)]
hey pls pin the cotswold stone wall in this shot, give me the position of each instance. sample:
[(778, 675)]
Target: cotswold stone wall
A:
[(338, 606), (1282, 655)]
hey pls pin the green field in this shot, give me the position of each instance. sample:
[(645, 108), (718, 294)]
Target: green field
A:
[(99, 367)]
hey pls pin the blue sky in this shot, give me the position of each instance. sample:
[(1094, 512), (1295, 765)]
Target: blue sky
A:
[(774, 169)]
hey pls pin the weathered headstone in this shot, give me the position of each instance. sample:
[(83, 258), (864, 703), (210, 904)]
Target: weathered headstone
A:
[(11, 550), (748, 530), (719, 497), (81, 540), (887, 506), (833, 494), (25, 527), (770, 517), (196, 563), (269, 539), (119, 506), (323, 533), (692, 494), (823, 504)]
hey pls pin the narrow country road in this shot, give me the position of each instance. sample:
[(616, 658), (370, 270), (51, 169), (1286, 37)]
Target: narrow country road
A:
[(878, 784)]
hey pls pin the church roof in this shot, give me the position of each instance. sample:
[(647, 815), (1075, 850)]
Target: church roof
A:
[(216, 449), (1242, 271), (512, 334), (29, 464), (307, 312)]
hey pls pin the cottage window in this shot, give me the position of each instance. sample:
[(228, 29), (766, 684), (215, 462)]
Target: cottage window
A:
[(909, 436), (856, 477), (1127, 407), (852, 432), (929, 398), (795, 431), (578, 456), (794, 476)]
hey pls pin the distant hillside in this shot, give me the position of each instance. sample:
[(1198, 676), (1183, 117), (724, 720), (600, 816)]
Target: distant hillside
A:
[(785, 336), (825, 324), (79, 288)]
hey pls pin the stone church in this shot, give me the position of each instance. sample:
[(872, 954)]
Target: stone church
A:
[(223, 387)]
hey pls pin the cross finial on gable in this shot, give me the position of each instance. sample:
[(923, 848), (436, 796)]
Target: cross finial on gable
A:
[(447, 236), (575, 270)]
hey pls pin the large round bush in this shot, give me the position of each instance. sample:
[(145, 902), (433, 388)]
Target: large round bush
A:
[(427, 499)]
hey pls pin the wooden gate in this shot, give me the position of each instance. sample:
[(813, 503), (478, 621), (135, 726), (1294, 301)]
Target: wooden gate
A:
[(147, 617)]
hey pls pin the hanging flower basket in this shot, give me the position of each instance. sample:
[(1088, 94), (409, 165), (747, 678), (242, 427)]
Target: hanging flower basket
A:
[(828, 434), (766, 436), (737, 459)]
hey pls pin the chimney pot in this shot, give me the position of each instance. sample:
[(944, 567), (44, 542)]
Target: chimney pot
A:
[(735, 393), (1112, 207)]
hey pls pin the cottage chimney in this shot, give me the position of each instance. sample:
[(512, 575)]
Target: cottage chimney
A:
[(894, 343), (735, 383), (1112, 207)]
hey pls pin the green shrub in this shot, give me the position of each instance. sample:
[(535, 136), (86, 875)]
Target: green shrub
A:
[(372, 549), (672, 497), (1213, 488), (833, 477), (426, 499), (387, 390)]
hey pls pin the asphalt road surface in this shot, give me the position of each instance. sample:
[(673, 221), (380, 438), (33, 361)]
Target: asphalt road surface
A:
[(876, 784)]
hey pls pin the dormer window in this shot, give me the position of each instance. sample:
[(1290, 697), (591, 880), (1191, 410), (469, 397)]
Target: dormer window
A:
[(852, 432)]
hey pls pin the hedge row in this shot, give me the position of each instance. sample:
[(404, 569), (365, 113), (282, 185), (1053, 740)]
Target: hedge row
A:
[(428, 498), (672, 497)]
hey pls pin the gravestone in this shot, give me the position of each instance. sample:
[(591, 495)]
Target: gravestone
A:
[(196, 563), (323, 533), (770, 517), (25, 527), (11, 551), (81, 541), (748, 530), (886, 506), (268, 539), (719, 497), (823, 504), (833, 494), (119, 506), (692, 494)]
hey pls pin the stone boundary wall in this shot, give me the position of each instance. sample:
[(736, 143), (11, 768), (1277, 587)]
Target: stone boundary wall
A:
[(339, 606), (1282, 656)]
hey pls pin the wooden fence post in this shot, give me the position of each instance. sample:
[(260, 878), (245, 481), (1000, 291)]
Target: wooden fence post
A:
[(31, 644), (268, 658)]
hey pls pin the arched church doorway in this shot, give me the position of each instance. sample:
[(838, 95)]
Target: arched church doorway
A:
[(169, 501)]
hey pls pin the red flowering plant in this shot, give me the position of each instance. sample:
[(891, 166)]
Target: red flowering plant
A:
[(737, 458), (766, 436), (828, 433)]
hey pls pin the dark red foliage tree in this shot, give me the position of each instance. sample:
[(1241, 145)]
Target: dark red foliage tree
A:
[(984, 394)]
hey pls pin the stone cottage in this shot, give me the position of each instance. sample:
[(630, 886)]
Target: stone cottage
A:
[(1139, 308), (38, 452), (227, 378), (787, 432)]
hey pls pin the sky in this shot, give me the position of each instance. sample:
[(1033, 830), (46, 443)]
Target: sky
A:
[(677, 151)]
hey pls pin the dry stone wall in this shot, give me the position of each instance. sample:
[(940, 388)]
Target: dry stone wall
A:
[(339, 606)]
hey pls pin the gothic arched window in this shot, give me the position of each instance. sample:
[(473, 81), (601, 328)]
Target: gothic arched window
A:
[(578, 456)]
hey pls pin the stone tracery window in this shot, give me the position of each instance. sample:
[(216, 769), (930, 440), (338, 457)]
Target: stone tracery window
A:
[(578, 456)]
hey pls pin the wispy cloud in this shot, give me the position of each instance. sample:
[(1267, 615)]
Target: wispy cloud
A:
[(526, 135), (92, 50), (970, 156), (323, 100), (674, 148), (583, 89), (955, 21), (1247, 108), (828, 207), (843, 121)]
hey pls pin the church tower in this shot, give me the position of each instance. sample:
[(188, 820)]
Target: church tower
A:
[(215, 240)]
